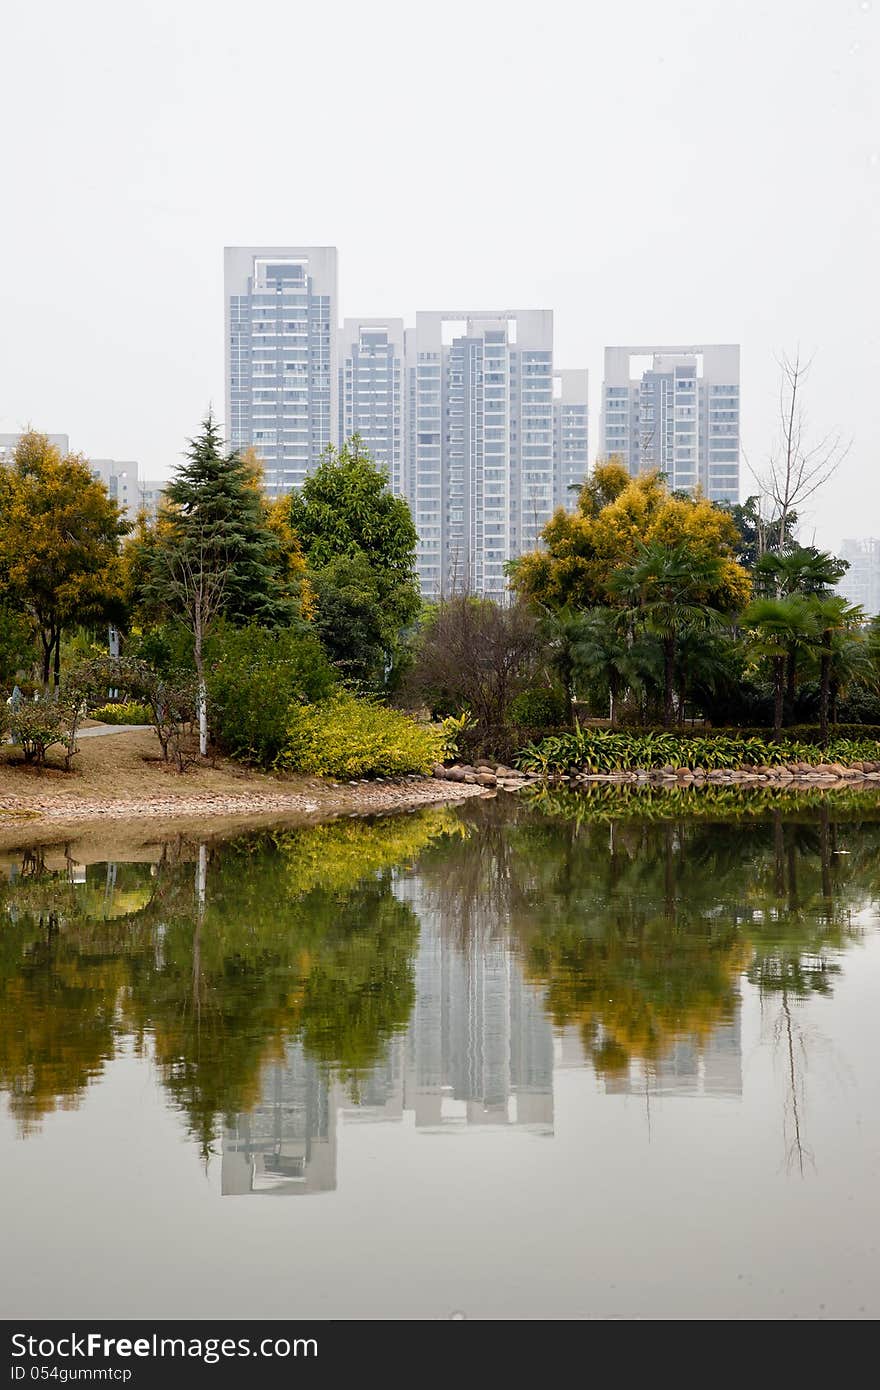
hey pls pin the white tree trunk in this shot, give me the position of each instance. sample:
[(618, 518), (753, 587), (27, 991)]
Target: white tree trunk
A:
[(203, 719)]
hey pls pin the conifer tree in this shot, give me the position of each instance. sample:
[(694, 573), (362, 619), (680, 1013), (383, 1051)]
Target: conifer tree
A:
[(216, 496)]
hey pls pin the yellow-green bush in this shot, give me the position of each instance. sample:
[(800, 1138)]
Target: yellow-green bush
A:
[(349, 737), (123, 712)]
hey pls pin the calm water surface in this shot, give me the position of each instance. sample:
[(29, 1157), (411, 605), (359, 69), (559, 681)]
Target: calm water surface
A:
[(582, 1057)]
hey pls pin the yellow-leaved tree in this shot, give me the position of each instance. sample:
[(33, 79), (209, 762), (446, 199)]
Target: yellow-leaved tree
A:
[(59, 544), (657, 564)]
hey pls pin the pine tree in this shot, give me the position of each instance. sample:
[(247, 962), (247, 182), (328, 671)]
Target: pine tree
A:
[(216, 495)]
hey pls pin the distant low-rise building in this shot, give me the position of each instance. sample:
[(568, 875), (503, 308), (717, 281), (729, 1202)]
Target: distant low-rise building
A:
[(150, 494), (119, 478), (9, 443), (121, 482)]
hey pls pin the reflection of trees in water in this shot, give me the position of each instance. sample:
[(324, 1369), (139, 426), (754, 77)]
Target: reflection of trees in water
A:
[(636, 929), (232, 950)]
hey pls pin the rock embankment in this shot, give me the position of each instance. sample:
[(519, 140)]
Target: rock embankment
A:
[(505, 778), (485, 775)]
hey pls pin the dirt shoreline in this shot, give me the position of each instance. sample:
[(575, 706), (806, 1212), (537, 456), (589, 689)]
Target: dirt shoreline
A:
[(120, 780), (359, 798)]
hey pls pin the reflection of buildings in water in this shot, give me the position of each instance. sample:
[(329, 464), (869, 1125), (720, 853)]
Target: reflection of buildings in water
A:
[(690, 1068), (287, 1142), (478, 1051), (480, 1045)]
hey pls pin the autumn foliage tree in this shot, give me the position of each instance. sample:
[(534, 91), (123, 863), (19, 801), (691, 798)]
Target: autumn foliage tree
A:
[(59, 544), (655, 563), (616, 518)]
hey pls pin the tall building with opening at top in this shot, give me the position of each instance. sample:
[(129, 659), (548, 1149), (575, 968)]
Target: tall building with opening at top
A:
[(676, 409), (281, 357), (371, 395), (481, 466)]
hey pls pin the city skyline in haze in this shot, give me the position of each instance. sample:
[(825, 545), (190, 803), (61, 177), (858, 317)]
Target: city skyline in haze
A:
[(698, 172)]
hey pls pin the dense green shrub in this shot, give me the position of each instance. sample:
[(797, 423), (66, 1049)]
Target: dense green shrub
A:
[(597, 750), (123, 712), (539, 707), (345, 736), (164, 647), (254, 676)]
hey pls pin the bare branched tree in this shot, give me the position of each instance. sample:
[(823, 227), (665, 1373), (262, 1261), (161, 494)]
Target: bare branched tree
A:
[(797, 466)]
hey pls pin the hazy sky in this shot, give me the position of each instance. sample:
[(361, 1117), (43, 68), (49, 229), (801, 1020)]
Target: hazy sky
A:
[(652, 170)]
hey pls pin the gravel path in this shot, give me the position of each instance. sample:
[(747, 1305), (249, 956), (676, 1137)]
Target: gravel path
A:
[(100, 730)]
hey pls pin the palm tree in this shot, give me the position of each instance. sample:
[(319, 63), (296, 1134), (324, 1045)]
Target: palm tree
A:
[(798, 570), (561, 629), (667, 589), (605, 656), (838, 623), (782, 625)]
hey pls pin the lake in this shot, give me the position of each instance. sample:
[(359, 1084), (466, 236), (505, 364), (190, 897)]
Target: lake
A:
[(607, 1055)]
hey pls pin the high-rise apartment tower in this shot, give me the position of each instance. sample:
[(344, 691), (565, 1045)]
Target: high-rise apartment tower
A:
[(281, 357), (675, 409)]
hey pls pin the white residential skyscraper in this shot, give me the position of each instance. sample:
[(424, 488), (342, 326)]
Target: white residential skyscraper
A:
[(281, 356), (371, 392), (481, 484), (676, 409), (571, 439)]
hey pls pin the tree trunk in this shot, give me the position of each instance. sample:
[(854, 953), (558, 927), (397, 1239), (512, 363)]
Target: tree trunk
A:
[(57, 662), (202, 695), (47, 659), (834, 691), (668, 680), (612, 699), (778, 692), (824, 684), (790, 673)]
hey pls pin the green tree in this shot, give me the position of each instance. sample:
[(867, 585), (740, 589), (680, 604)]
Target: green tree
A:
[(804, 570), (16, 642), (59, 544), (758, 534), (608, 658), (780, 625), (671, 590), (834, 618), (799, 569), (215, 501), (359, 542), (213, 553)]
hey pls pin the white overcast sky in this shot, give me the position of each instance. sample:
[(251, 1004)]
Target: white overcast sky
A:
[(652, 170)]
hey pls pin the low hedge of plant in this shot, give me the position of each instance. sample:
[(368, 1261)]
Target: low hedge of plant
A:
[(601, 751), (346, 736), (123, 712)]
